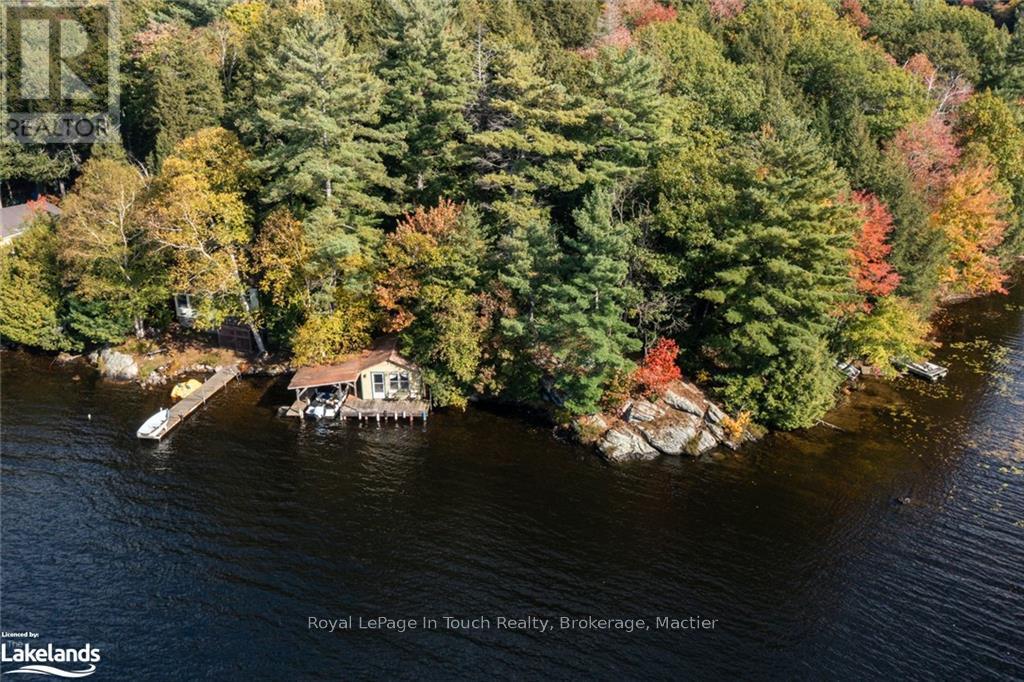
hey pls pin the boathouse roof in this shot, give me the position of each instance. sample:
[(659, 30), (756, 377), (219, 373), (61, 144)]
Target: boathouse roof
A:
[(383, 350)]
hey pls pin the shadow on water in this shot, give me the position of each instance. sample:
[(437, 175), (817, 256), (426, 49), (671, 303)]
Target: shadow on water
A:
[(203, 556)]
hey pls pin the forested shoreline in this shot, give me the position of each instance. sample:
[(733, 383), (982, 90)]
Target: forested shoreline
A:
[(559, 201)]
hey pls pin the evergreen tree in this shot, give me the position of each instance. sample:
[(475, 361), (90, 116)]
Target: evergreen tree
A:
[(319, 144), (526, 148), (194, 12), (918, 250), (528, 152), (173, 91), (628, 113), (1011, 81), (522, 264), (583, 322), (316, 125), (779, 273), (429, 77)]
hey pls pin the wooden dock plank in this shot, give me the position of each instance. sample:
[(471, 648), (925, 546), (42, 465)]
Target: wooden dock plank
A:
[(190, 403), (369, 409)]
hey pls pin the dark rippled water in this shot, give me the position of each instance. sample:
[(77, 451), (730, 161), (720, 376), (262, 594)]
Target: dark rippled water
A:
[(204, 556)]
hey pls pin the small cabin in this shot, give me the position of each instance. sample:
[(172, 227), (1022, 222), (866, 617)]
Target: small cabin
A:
[(377, 381), (185, 311), (232, 333)]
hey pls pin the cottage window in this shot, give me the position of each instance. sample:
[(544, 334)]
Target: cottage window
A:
[(398, 381)]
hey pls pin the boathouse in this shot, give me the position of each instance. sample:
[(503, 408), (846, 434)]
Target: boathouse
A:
[(377, 382)]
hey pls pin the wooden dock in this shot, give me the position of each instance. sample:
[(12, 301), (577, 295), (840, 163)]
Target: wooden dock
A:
[(190, 403), (384, 409)]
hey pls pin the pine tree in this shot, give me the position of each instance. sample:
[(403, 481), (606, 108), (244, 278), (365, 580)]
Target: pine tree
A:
[(522, 264), (779, 271), (319, 144), (583, 322), (1011, 81), (526, 148), (177, 91), (316, 124), (629, 110), (429, 76)]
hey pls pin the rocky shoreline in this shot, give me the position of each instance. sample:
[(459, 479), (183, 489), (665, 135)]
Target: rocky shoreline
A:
[(118, 365), (680, 422)]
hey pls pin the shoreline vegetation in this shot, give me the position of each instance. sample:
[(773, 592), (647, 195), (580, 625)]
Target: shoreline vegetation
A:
[(662, 222)]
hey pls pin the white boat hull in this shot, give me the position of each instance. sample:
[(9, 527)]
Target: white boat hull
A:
[(152, 426)]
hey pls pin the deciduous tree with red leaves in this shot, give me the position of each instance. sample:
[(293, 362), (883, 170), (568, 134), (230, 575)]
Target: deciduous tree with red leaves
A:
[(659, 367), (853, 12), (640, 13), (872, 272), (930, 152)]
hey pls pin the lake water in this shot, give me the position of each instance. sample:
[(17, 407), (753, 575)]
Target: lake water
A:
[(206, 555)]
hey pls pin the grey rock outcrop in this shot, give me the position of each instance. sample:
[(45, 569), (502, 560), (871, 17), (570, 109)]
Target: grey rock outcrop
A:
[(685, 401), (644, 411), (683, 422), (704, 442), (624, 444), (671, 436), (117, 366)]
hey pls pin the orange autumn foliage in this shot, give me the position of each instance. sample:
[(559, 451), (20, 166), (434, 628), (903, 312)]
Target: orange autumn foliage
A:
[(640, 13), (659, 367), (971, 218), (853, 12), (872, 273), (412, 247)]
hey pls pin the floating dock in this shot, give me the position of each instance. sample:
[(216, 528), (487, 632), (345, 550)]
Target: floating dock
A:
[(189, 404), (927, 370)]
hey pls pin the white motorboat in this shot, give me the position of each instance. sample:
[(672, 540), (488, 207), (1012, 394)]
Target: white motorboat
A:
[(153, 427)]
